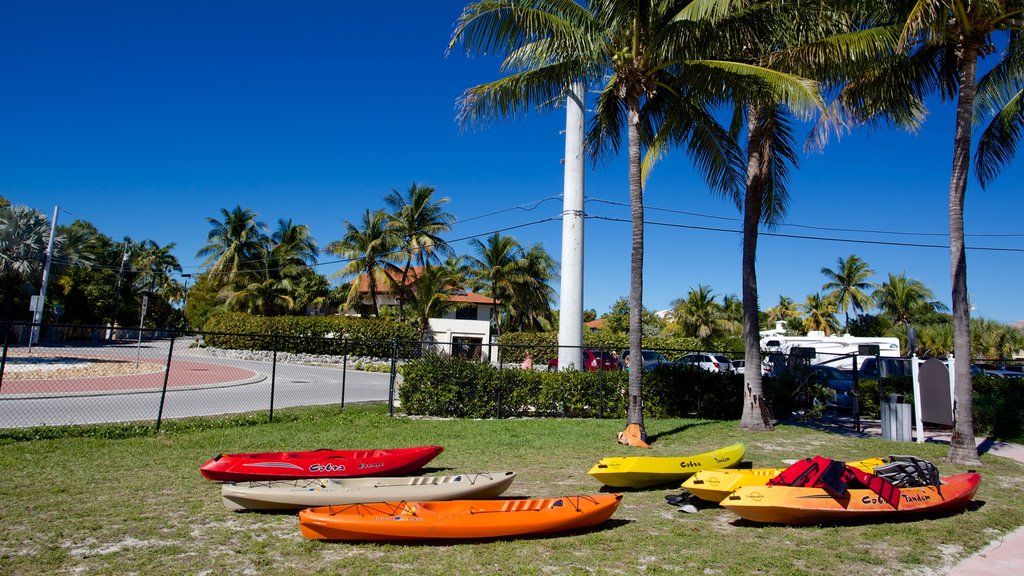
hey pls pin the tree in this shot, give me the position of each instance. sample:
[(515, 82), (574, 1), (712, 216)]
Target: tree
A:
[(532, 295), (24, 235), (698, 315), (636, 53), (820, 314), (784, 311), (233, 244), (904, 300), (497, 271), (847, 283), (369, 250), (153, 266), (952, 35), (430, 295), (417, 220)]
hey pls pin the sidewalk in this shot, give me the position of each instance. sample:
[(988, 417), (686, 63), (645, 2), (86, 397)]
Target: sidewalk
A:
[(1001, 557)]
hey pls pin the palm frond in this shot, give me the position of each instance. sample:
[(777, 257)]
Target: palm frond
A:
[(997, 145)]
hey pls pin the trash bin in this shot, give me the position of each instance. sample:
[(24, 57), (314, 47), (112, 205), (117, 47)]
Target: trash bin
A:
[(896, 419)]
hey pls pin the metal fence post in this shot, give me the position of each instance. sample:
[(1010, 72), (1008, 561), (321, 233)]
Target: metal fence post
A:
[(344, 369), (856, 394), (394, 372), (3, 360), (273, 379), (163, 392), (501, 382)]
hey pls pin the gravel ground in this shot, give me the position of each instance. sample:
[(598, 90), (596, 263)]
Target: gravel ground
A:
[(41, 368)]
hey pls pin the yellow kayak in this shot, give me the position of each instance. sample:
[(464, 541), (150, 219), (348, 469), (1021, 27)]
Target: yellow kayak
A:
[(644, 471), (715, 485)]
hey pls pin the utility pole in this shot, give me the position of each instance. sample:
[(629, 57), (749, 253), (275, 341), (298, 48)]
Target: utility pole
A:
[(37, 313), (570, 317)]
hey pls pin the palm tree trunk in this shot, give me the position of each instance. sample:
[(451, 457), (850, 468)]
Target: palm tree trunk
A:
[(634, 434), (755, 412), (402, 288), (962, 448)]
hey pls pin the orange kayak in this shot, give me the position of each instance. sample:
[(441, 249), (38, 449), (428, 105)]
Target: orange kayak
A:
[(799, 505), (388, 521)]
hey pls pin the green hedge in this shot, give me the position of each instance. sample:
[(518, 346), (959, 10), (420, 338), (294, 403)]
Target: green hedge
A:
[(544, 345), (335, 335), (441, 386), (999, 407)]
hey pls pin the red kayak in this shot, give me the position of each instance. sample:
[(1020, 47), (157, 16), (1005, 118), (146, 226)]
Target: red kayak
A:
[(322, 463)]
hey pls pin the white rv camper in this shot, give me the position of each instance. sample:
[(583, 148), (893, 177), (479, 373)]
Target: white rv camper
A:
[(832, 350)]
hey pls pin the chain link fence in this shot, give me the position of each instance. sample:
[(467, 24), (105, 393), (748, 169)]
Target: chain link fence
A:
[(90, 375)]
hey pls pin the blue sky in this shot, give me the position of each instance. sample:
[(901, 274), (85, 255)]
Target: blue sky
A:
[(145, 118)]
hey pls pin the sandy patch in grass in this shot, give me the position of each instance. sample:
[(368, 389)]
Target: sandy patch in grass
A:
[(92, 547)]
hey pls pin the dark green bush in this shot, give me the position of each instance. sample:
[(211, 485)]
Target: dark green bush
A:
[(335, 335), (441, 386), (999, 407), (544, 345)]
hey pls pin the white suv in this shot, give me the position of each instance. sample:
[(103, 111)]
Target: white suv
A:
[(707, 361)]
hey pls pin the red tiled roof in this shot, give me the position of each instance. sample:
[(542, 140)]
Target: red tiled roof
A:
[(595, 324), (466, 296)]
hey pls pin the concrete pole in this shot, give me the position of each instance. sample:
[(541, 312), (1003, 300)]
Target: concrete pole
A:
[(570, 320), (37, 314)]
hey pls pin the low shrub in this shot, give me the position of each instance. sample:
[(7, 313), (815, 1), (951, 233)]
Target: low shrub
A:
[(999, 407), (442, 386), (544, 345), (333, 335)]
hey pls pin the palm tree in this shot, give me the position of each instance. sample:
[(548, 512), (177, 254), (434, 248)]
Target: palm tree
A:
[(820, 314), (233, 244), (312, 290), (263, 291), (732, 311), (417, 221), (952, 35), (904, 300), (368, 249), (430, 295), (497, 270), (847, 283), (154, 265), (698, 315), (24, 233), (994, 340), (634, 52), (784, 311), (293, 247), (531, 294)]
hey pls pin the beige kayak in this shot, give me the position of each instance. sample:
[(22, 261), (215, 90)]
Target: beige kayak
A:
[(298, 494)]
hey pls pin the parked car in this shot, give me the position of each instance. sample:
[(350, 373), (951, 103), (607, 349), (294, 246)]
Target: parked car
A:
[(889, 367), (593, 360), (738, 366), (707, 361), (650, 360), (839, 382)]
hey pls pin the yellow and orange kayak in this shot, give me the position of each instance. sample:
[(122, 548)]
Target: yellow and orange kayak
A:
[(801, 506), (456, 519), (715, 485), (645, 471)]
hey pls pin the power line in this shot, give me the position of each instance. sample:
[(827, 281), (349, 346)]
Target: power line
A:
[(804, 226), (803, 237)]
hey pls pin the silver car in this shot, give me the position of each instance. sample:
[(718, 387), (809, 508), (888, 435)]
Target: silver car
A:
[(707, 361)]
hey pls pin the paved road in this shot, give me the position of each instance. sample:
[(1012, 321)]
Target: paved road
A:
[(294, 385)]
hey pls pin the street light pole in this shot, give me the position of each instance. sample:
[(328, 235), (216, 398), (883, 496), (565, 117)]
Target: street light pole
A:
[(37, 314), (117, 289)]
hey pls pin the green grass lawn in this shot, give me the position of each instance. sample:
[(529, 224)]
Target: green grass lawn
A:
[(139, 505)]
